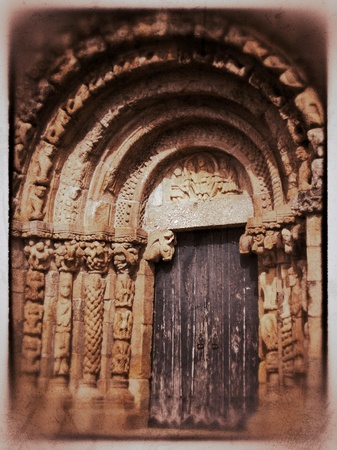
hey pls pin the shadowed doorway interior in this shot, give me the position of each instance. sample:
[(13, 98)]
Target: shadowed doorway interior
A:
[(205, 340)]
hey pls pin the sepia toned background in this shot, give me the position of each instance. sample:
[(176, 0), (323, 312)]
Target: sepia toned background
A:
[(308, 34)]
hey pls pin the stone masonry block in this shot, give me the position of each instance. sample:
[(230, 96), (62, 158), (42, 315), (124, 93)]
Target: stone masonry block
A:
[(315, 298), (18, 280), (140, 365), (78, 285), (52, 283), (18, 259), (17, 302), (140, 389), (315, 337), (143, 306), (314, 264), (314, 231)]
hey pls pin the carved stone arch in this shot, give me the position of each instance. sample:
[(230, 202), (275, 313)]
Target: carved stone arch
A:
[(127, 101)]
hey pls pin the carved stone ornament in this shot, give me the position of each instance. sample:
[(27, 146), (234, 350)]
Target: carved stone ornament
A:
[(121, 358), (122, 324), (37, 200), (44, 163), (39, 255), (68, 255), (203, 177), (97, 256), (63, 325), (125, 256), (160, 246), (93, 323), (125, 290), (304, 171)]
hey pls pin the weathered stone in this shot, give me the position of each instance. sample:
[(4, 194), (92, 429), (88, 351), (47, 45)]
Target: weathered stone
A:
[(314, 230), (315, 298), (314, 264), (204, 126)]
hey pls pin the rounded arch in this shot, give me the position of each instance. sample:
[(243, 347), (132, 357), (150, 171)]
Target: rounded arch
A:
[(109, 90)]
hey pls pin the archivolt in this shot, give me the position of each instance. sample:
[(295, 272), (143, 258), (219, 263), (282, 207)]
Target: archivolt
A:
[(116, 102)]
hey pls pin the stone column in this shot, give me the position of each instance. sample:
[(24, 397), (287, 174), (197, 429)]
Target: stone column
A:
[(282, 300), (125, 259), (315, 290), (68, 256), (39, 254), (97, 256)]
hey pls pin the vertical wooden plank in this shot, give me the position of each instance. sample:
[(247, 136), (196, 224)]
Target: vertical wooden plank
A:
[(236, 332), (249, 269), (207, 289)]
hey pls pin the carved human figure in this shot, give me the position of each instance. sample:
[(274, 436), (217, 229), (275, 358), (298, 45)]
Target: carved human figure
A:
[(202, 180), (38, 254), (228, 178), (31, 354), (122, 324), (297, 319), (304, 171), (268, 285), (34, 289), (121, 358), (70, 207), (125, 290), (125, 256), (317, 168), (44, 163), (288, 241), (180, 185), (37, 200), (68, 255), (291, 176), (33, 313), (63, 325), (268, 327)]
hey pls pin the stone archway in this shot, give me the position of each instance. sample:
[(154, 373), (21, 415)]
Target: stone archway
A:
[(107, 164)]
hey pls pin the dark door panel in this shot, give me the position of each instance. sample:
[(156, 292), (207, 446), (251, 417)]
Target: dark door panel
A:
[(205, 359)]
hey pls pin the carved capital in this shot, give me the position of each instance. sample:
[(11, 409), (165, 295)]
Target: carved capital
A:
[(125, 256), (309, 202), (97, 256), (68, 256), (39, 255), (160, 246)]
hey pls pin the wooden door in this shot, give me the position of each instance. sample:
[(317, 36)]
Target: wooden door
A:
[(205, 334)]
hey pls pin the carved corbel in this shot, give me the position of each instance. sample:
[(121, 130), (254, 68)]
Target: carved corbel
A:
[(39, 255), (160, 246)]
